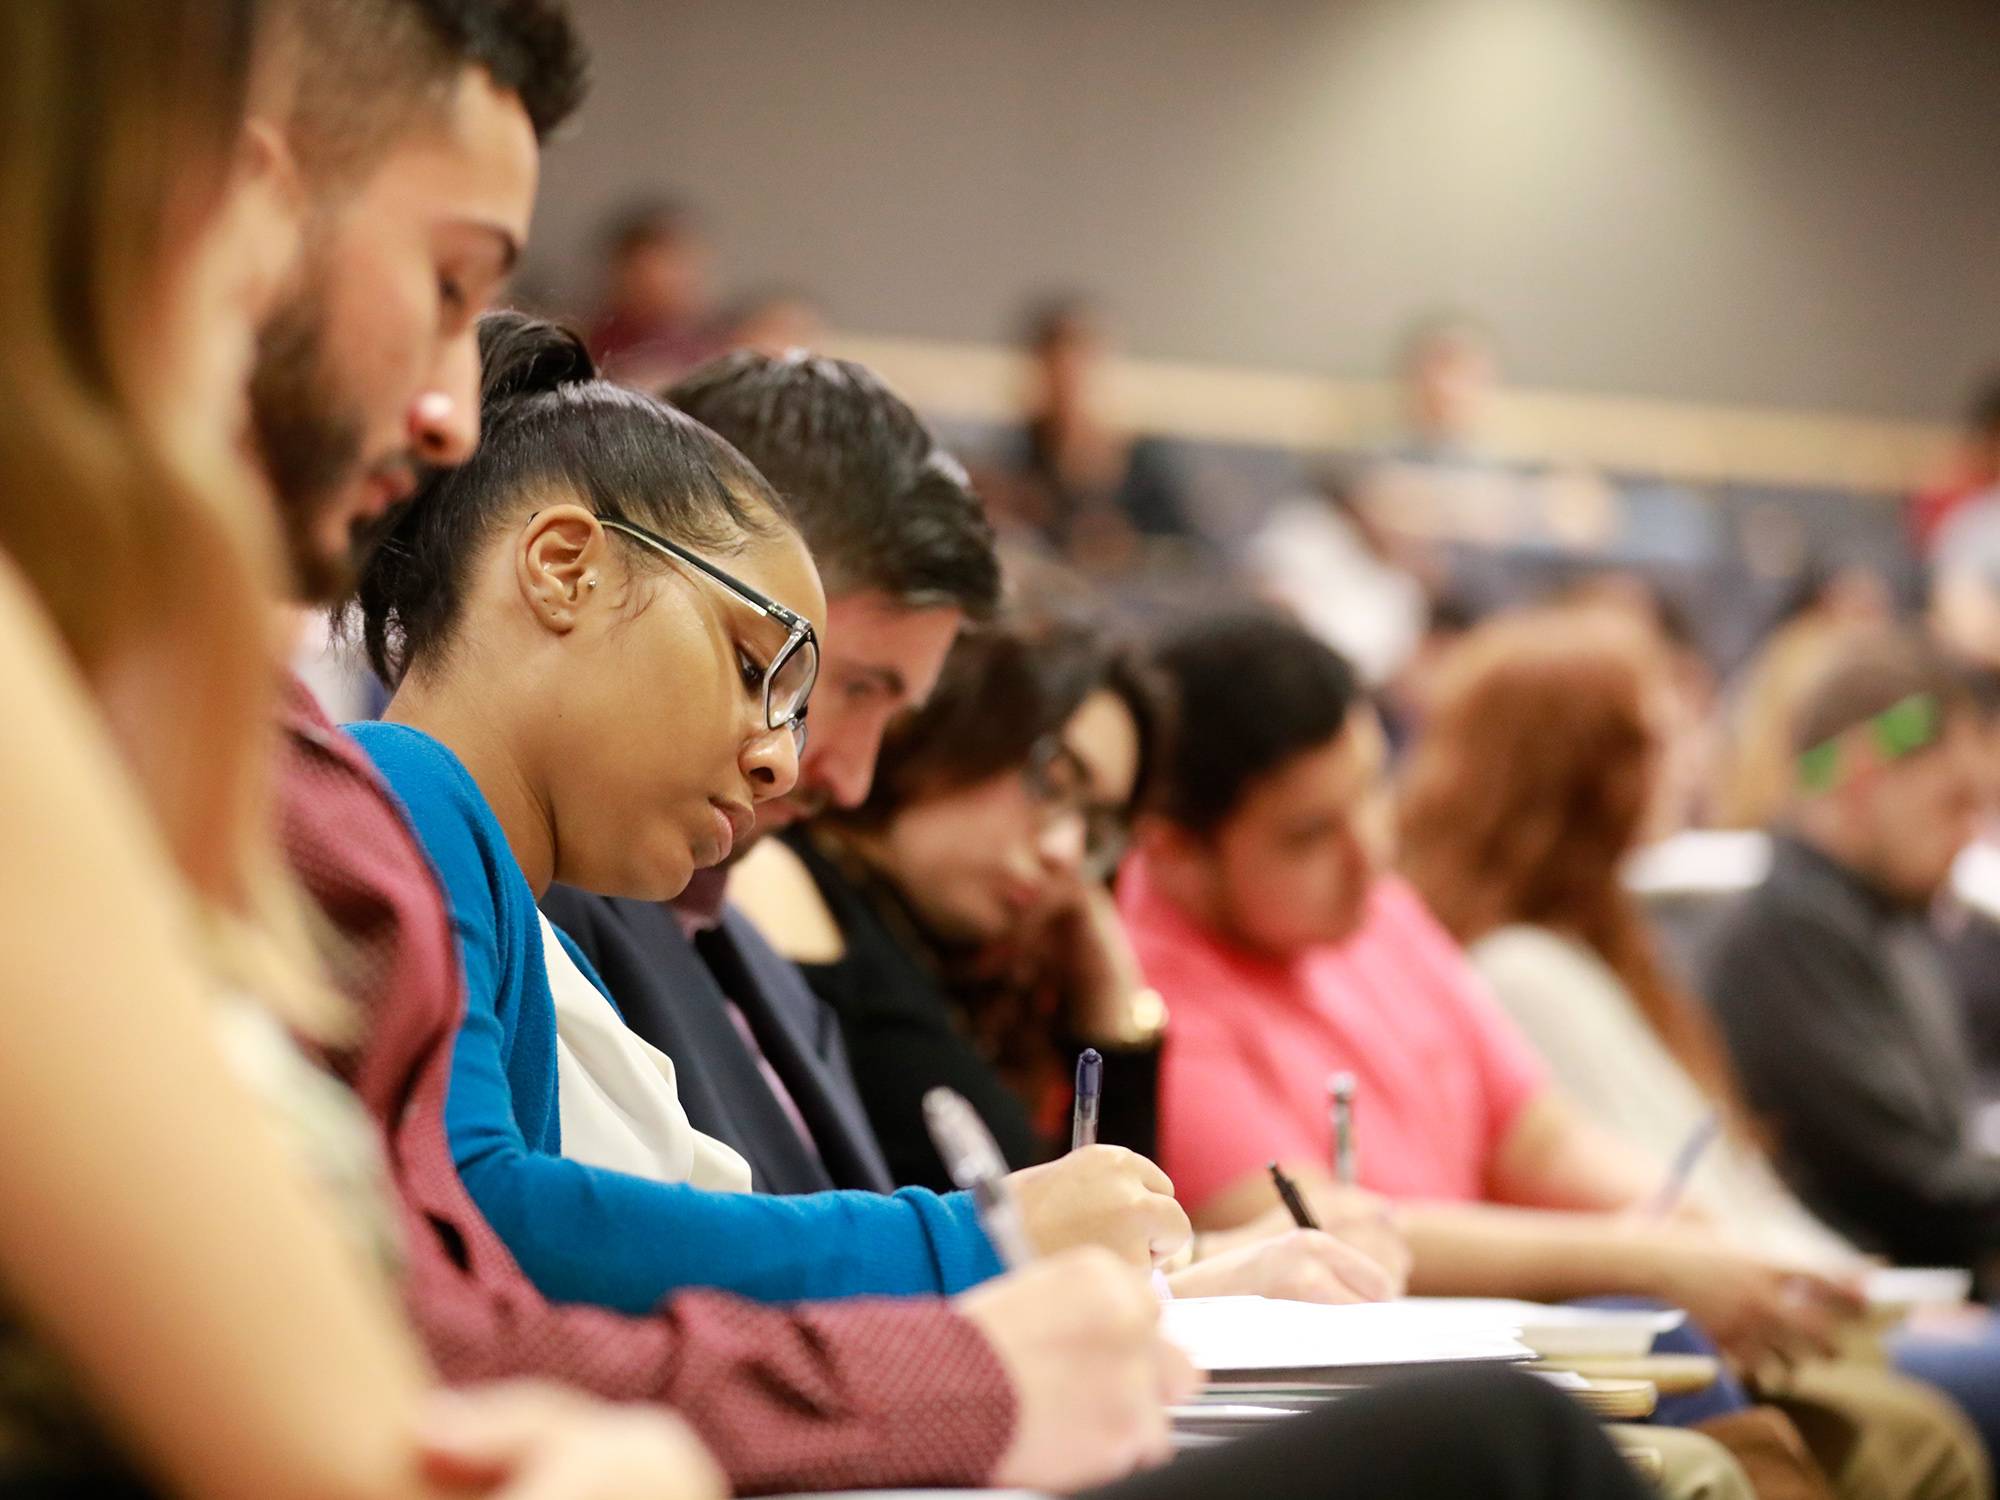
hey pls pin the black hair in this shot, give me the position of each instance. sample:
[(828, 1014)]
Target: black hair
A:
[(1054, 318), (549, 429), (369, 68), (1008, 685), (1252, 689), (645, 221), (881, 505)]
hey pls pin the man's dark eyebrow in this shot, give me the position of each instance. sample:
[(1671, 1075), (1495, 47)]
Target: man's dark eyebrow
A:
[(887, 677)]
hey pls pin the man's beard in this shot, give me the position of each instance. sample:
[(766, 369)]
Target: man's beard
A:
[(309, 438)]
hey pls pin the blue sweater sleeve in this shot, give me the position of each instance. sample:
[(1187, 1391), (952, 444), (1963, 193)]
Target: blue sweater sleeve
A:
[(586, 1234)]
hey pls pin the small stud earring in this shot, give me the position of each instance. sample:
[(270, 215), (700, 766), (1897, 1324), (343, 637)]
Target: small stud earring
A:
[(590, 583)]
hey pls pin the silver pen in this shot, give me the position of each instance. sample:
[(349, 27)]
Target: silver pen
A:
[(974, 1161), (1340, 1101)]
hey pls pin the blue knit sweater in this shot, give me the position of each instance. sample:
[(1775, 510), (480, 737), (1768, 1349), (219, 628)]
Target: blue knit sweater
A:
[(582, 1233)]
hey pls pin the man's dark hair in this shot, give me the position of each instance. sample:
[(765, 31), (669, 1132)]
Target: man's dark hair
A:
[(1252, 689), (1870, 675), (880, 504), (369, 68)]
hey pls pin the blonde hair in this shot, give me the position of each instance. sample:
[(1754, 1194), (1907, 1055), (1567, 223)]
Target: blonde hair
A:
[(119, 125), (1756, 767)]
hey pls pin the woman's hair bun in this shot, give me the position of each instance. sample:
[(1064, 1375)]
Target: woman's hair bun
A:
[(520, 355)]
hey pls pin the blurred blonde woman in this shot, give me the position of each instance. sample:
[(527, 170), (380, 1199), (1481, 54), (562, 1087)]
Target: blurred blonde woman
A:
[(183, 1303)]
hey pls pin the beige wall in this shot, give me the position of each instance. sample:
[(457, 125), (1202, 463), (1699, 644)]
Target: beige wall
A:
[(1777, 203)]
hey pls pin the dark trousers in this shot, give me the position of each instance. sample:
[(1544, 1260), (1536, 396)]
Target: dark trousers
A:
[(1477, 1436)]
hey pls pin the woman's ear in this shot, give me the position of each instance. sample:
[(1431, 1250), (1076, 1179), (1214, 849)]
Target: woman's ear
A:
[(559, 565)]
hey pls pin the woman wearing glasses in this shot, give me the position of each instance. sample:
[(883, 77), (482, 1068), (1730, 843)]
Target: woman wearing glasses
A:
[(602, 636), (959, 923)]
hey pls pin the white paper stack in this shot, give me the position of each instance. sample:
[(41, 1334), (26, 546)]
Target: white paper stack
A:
[(1253, 1340), (1557, 1331)]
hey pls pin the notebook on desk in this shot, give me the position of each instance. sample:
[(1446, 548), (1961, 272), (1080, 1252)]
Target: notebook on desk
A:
[(1253, 1341)]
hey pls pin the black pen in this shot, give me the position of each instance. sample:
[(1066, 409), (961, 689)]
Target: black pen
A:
[(1294, 1201), (1089, 1096)]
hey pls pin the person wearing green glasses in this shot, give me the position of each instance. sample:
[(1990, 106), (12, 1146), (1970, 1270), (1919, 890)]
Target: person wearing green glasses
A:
[(1828, 980)]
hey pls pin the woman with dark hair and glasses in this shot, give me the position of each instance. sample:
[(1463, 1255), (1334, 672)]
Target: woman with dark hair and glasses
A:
[(973, 941), (602, 632)]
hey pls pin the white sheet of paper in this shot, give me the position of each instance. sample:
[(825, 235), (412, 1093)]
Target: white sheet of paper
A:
[(1555, 1331), (1256, 1333)]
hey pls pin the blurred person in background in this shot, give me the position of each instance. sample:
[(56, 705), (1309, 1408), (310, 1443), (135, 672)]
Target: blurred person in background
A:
[(1692, 733), (1973, 482), (773, 320), (195, 1230), (656, 315), (1356, 587), (1968, 920), (1258, 901), (1094, 493), (1753, 771), (1543, 770), (1437, 488), (1450, 371), (1463, 511), (1958, 528), (1827, 978)]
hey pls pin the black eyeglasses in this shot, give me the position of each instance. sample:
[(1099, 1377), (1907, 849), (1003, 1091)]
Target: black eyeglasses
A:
[(1059, 786), (788, 680)]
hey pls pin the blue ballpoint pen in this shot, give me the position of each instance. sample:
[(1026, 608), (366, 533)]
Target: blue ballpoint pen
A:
[(1089, 1096)]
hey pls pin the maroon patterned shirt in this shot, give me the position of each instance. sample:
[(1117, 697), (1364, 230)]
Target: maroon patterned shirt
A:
[(870, 1392)]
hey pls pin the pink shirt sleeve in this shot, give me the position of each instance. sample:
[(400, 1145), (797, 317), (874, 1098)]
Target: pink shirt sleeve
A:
[(1511, 1072), (1218, 1123)]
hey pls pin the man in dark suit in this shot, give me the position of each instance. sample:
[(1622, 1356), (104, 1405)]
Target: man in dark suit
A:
[(907, 556)]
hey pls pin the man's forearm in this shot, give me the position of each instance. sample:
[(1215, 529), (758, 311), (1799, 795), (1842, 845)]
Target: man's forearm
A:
[(1481, 1250)]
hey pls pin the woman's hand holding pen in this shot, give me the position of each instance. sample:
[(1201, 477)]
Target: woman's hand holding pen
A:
[(1079, 1337), (1366, 1221), (1106, 1196), (1299, 1265)]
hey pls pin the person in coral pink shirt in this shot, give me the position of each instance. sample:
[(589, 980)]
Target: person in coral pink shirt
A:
[(1259, 908), (1442, 1077)]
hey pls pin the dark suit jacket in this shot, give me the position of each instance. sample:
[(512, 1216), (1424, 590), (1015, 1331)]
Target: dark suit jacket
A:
[(672, 991)]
